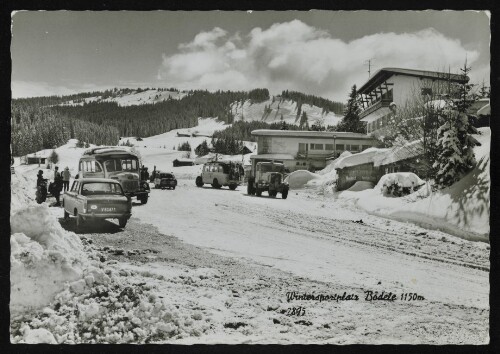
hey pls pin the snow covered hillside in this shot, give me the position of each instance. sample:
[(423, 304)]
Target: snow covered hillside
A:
[(248, 111), (135, 97)]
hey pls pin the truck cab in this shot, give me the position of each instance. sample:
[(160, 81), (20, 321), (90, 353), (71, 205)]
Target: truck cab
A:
[(268, 177)]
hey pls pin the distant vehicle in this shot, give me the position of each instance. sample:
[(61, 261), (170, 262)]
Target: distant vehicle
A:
[(218, 174), (116, 163), (97, 198), (267, 177), (165, 180)]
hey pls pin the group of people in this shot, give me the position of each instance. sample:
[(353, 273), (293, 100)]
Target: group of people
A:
[(61, 182)]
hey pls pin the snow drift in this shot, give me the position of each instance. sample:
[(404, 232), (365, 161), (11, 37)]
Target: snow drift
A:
[(298, 179), (43, 258), (461, 209)]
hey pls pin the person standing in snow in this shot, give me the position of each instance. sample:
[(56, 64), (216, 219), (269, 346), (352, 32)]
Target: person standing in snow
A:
[(58, 185), (66, 175)]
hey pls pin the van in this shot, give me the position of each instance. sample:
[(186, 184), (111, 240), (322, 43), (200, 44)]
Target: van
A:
[(219, 174)]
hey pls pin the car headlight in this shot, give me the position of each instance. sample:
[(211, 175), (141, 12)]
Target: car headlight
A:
[(93, 207)]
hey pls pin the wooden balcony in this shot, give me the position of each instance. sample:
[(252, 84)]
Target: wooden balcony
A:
[(375, 106)]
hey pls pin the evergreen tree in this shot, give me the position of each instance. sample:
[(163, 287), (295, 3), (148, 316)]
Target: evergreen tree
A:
[(456, 155), (351, 122), (202, 149), (54, 157)]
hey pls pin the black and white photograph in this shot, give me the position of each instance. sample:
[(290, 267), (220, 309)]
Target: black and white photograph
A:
[(250, 177)]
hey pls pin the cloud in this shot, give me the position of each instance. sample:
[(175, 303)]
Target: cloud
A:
[(294, 55)]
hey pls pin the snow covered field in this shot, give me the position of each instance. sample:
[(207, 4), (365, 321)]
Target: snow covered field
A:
[(202, 265)]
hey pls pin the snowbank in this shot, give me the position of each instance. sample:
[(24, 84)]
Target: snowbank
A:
[(361, 186), (43, 257), (299, 178), (462, 209)]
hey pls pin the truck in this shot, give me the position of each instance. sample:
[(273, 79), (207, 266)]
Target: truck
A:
[(267, 177)]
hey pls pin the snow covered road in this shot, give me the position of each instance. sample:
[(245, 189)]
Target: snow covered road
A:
[(319, 239)]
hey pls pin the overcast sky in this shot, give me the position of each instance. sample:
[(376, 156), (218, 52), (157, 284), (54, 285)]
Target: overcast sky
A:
[(318, 52)]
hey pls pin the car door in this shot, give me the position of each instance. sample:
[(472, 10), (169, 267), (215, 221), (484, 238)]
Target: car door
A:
[(69, 198)]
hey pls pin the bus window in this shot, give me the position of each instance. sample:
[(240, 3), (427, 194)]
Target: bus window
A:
[(129, 165), (113, 165)]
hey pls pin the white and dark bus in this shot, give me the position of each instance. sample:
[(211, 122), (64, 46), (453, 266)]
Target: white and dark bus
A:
[(116, 163)]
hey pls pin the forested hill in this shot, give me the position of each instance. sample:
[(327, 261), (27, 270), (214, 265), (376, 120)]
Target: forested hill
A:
[(102, 117)]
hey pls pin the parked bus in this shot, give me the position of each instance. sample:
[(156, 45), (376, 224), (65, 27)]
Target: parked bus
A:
[(115, 163)]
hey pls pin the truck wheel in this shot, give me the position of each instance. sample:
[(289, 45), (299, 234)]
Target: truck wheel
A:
[(258, 192), (249, 189), (284, 194), (232, 187), (144, 199), (199, 181), (122, 222)]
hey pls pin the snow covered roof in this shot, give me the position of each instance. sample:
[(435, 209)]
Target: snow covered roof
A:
[(383, 74), (108, 150), (310, 134), (381, 157), (407, 151), (361, 158), (273, 156)]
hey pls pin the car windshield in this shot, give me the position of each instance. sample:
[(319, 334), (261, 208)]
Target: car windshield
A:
[(166, 175), (93, 188), (272, 168)]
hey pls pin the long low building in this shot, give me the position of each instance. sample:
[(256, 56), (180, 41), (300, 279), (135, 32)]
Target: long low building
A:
[(307, 150)]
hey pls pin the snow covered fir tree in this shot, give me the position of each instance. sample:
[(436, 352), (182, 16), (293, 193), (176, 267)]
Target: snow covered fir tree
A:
[(456, 155)]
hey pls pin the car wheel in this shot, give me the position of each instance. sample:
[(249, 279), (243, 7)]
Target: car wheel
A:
[(199, 181), (173, 188), (122, 222), (144, 199), (284, 194), (258, 192), (232, 187)]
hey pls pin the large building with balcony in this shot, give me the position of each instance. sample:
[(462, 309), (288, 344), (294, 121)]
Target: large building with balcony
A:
[(390, 88), (306, 150)]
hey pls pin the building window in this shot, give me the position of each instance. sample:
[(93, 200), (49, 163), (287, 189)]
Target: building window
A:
[(329, 147), (316, 146), (266, 144), (340, 147), (302, 148), (352, 147)]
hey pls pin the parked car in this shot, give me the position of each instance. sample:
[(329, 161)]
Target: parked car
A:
[(97, 198), (165, 180)]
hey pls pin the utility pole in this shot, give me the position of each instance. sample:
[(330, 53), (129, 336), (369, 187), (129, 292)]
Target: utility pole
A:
[(369, 63)]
